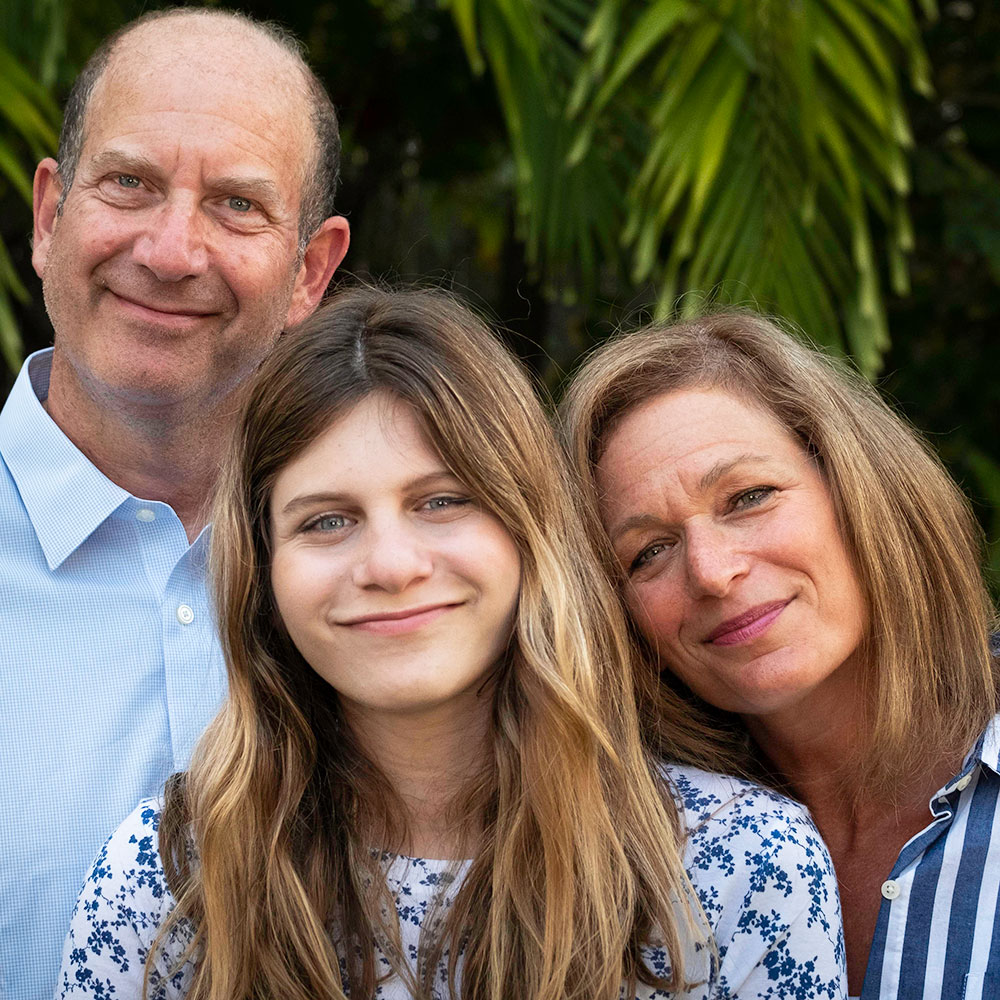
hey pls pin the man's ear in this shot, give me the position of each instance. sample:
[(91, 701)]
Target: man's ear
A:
[(325, 251), (46, 193)]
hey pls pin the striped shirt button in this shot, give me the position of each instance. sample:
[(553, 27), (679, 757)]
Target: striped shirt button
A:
[(184, 614), (963, 782), (145, 514), (890, 889)]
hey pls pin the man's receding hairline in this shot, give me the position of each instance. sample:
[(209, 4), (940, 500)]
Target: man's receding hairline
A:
[(119, 50), (291, 61), (318, 179)]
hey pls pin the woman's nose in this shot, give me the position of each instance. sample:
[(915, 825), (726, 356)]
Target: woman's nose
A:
[(714, 558)]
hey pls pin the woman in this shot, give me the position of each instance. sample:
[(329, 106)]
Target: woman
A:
[(806, 570), (428, 779)]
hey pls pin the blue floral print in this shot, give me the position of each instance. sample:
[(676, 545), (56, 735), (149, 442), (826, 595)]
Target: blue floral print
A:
[(760, 871)]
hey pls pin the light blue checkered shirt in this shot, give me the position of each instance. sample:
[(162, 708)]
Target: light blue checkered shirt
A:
[(110, 671)]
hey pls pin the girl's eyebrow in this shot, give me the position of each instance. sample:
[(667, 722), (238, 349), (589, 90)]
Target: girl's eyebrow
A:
[(339, 497)]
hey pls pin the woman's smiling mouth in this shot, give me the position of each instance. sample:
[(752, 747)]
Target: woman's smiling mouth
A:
[(747, 626)]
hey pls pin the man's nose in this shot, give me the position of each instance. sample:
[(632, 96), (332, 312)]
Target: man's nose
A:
[(172, 243), (714, 558), (394, 556)]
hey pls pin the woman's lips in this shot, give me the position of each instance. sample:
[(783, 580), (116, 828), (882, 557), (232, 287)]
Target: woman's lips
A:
[(747, 626)]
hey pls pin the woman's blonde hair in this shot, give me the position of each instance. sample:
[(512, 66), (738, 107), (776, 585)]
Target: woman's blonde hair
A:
[(930, 682), (268, 841)]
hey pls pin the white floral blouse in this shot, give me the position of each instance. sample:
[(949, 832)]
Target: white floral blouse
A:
[(761, 872)]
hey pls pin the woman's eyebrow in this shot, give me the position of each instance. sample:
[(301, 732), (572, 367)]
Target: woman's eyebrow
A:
[(709, 479), (633, 523), (727, 465)]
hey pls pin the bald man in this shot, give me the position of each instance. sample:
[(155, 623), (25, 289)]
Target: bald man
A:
[(188, 221)]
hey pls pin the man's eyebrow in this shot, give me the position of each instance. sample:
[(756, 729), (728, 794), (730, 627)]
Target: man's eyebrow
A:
[(721, 468), (252, 188), (127, 163)]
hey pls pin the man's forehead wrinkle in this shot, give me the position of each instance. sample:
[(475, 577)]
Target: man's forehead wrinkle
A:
[(270, 117)]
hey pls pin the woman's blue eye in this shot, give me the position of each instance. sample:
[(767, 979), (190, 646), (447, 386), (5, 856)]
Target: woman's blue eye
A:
[(750, 498), (330, 522), (649, 552), (238, 204), (128, 180)]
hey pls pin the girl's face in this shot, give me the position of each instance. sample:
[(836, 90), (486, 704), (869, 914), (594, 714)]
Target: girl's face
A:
[(738, 574), (394, 583)]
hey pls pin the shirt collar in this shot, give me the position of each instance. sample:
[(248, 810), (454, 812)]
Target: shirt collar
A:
[(65, 494), (987, 750)]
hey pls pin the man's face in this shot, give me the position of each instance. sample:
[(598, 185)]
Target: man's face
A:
[(174, 263)]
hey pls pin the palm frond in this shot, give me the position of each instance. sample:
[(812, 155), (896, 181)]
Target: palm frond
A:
[(750, 148), (29, 122)]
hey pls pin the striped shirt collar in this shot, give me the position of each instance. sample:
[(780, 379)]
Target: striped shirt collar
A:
[(987, 750), (938, 930), (65, 495)]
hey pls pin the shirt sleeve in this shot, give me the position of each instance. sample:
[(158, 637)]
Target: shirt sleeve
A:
[(117, 915), (765, 880)]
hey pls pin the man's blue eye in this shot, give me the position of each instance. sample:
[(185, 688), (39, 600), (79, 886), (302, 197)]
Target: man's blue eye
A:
[(128, 180), (238, 204)]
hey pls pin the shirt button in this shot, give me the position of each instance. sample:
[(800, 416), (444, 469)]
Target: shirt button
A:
[(145, 514), (890, 889), (184, 614), (963, 782)]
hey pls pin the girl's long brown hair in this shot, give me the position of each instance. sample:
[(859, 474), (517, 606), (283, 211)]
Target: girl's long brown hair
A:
[(267, 841), (930, 681)]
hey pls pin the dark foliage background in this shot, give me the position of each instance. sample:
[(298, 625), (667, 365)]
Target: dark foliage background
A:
[(429, 186)]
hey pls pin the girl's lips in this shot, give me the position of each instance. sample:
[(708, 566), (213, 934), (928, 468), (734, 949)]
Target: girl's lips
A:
[(747, 626), (397, 624)]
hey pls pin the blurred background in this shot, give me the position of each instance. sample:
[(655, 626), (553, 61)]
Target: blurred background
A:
[(575, 166)]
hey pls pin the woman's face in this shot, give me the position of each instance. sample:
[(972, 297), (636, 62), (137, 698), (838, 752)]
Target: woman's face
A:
[(396, 586), (738, 575)]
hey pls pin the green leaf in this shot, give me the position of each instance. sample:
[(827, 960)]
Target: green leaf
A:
[(658, 21), (464, 14), (11, 167), (11, 346)]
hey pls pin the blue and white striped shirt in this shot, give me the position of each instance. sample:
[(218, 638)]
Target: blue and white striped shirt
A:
[(109, 670), (938, 932)]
